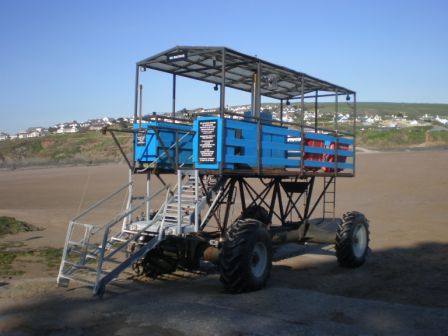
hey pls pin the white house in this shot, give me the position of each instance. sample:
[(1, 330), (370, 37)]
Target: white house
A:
[(68, 128), (22, 135), (4, 136), (442, 120), (343, 117), (35, 132)]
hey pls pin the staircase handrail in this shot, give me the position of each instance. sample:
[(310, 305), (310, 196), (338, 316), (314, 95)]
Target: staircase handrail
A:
[(100, 202)]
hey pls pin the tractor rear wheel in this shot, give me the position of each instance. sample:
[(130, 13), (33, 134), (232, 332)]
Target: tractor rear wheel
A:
[(352, 240), (246, 256)]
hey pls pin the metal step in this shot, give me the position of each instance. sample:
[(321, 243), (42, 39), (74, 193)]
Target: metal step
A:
[(86, 263), (101, 284), (116, 239)]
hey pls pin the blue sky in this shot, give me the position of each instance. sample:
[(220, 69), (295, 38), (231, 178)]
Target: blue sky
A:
[(75, 60)]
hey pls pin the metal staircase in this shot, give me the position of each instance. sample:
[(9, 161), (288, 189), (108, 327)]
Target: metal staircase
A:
[(95, 255), (178, 215)]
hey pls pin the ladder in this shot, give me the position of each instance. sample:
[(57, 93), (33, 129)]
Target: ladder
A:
[(178, 214), (96, 255), (329, 201)]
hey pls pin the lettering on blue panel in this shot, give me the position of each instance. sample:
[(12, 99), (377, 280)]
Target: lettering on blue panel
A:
[(141, 139), (207, 141)]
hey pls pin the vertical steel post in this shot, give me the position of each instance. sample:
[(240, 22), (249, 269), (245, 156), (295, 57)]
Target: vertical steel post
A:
[(336, 108), (148, 191), (176, 150), (221, 107), (174, 96), (336, 128), (223, 84), (196, 200), (141, 107), (252, 98), (258, 116), (302, 119), (315, 111), (130, 196), (354, 132), (259, 145), (99, 264), (257, 91), (136, 94), (179, 202), (309, 193), (281, 112), (229, 204)]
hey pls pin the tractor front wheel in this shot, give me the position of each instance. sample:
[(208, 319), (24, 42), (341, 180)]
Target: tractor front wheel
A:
[(352, 240), (245, 260)]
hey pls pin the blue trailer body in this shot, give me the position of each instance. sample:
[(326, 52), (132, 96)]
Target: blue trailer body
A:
[(155, 139), (236, 142)]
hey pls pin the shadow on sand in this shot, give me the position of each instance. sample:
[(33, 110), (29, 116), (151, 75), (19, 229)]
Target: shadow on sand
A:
[(413, 276)]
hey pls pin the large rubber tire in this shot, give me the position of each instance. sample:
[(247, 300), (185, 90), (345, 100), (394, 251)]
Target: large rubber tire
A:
[(256, 212), (352, 240), (245, 259)]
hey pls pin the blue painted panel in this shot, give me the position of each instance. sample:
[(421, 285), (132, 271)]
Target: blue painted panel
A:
[(345, 141), (327, 137), (294, 154), (243, 159), (320, 150), (279, 162), (266, 117), (276, 130), (240, 146), (149, 148)]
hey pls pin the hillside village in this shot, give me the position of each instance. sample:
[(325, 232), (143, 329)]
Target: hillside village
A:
[(67, 127), (291, 113)]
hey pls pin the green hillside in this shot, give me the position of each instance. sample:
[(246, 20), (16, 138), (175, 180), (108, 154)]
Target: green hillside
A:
[(404, 138), (77, 148)]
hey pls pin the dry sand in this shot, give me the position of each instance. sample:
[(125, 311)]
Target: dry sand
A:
[(402, 289)]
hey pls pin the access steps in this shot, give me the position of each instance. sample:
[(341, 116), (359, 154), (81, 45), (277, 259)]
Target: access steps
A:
[(94, 255)]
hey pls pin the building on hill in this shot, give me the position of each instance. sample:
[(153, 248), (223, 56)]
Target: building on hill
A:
[(22, 135), (34, 132), (68, 128), (442, 120), (96, 126), (4, 136)]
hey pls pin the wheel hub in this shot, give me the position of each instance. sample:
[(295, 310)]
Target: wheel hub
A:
[(359, 240), (258, 259)]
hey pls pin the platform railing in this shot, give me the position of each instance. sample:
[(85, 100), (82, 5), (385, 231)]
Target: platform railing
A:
[(259, 147), (315, 150), (89, 246)]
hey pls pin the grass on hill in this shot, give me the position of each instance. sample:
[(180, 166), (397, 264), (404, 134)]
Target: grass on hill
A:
[(401, 138), (83, 148)]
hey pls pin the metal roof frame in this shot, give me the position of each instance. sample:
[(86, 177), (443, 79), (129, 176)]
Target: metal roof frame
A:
[(206, 64)]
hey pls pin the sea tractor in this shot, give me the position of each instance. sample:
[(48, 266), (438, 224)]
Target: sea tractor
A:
[(241, 182)]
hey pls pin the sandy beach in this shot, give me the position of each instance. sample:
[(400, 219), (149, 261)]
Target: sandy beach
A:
[(401, 290)]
